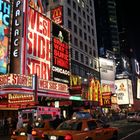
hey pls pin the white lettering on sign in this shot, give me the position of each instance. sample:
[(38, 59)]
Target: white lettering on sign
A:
[(51, 85), (60, 70), (16, 79), (17, 29)]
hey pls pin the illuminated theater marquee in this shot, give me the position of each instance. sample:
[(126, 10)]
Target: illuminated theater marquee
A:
[(38, 53), (16, 80), (51, 85)]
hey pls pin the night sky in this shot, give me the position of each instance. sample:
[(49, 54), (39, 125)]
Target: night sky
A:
[(129, 17)]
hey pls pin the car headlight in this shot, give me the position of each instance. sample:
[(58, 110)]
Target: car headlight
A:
[(22, 133)]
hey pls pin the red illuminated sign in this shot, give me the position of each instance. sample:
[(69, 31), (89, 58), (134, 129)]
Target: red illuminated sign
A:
[(61, 54), (57, 15), (38, 50), (16, 80)]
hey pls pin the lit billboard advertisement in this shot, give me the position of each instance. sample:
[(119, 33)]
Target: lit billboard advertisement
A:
[(124, 91), (138, 88), (60, 54), (94, 90), (5, 17), (38, 44), (107, 69), (57, 15)]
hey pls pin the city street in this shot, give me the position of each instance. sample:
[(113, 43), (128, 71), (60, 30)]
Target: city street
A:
[(127, 130)]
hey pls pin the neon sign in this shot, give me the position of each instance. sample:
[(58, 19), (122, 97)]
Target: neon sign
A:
[(5, 9), (20, 98), (38, 51)]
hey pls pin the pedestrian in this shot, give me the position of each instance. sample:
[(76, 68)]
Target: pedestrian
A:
[(6, 126), (29, 130), (56, 121)]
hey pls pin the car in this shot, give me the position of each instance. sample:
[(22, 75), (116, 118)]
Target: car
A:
[(131, 116), (82, 129), (40, 127), (138, 117)]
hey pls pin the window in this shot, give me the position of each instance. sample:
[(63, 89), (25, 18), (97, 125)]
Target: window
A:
[(92, 32), (88, 19), (90, 51), (85, 36), (92, 22), (86, 48), (80, 20), (88, 28), (75, 29), (76, 55), (94, 53), (80, 33), (93, 42), (69, 12), (79, 9), (74, 5), (75, 16), (70, 38), (69, 2), (81, 45), (89, 39), (82, 58), (84, 25), (71, 50), (69, 24), (84, 14), (92, 125), (75, 41), (87, 62)]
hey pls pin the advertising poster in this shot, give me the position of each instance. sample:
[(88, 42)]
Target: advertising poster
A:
[(5, 17), (38, 45), (60, 54), (107, 69), (124, 91)]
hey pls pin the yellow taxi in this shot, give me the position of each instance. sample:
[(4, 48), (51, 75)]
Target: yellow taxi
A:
[(40, 127), (21, 133), (82, 129)]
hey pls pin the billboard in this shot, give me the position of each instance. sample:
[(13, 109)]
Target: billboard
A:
[(38, 44), (107, 69), (57, 15), (124, 91), (60, 54), (5, 17)]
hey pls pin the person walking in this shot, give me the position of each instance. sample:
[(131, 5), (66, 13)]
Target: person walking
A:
[(29, 130)]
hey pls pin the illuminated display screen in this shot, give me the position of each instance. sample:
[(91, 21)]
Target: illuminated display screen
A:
[(5, 11), (60, 54), (38, 45)]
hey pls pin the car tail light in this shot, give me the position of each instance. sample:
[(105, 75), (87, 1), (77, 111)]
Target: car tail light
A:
[(34, 132), (68, 137)]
